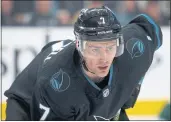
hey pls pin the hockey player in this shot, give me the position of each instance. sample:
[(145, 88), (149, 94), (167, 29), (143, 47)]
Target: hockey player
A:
[(95, 77)]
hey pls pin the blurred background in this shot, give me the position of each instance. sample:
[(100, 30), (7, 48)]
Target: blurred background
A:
[(63, 13), (28, 25)]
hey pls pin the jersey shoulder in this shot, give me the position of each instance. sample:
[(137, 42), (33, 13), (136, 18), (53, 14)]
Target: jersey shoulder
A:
[(57, 74), (50, 44), (142, 37), (53, 50), (146, 25)]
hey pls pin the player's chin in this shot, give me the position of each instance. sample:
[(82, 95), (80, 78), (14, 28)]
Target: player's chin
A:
[(103, 73)]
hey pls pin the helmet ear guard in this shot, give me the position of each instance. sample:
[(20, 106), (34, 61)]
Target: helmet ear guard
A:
[(80, 45), (120, 50), (120, 47)]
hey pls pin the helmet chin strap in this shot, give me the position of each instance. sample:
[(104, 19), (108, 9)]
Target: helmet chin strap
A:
[(83, 63), (85, 67)]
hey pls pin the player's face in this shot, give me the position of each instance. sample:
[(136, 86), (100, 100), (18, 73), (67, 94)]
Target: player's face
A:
[(99, 56)]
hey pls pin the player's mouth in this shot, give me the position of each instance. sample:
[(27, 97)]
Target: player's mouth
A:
[(103, 67)]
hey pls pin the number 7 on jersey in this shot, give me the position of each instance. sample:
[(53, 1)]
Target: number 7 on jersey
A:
[(46, 111)]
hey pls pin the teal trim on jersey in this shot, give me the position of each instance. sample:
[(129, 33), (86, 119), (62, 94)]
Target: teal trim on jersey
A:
[(141, 80), (94, 85), (91, 82), (111, 74), (155, 26)]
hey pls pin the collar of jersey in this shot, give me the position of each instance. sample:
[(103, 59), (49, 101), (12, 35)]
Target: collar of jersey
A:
[(109, 82)]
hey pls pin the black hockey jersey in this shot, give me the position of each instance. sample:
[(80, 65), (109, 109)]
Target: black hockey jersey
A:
[(53, 87)]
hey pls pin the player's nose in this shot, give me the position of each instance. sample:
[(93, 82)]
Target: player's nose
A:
[(103, 56)]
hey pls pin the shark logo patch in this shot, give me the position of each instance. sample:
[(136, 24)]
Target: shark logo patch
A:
[(60, 81), (135, 47)]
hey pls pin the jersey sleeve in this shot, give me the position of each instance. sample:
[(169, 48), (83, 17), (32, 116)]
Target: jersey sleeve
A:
[(28, 76), (20, 92), (44, 106), (142, 37), (39, 108), (151, 28), (133, 98), (130, 103)]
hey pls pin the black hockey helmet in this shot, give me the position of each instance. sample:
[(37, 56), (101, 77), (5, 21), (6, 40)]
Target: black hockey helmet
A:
[(98, 24)]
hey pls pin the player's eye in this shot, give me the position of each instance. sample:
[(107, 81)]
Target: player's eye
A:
[(110, 48), (95, 50)]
